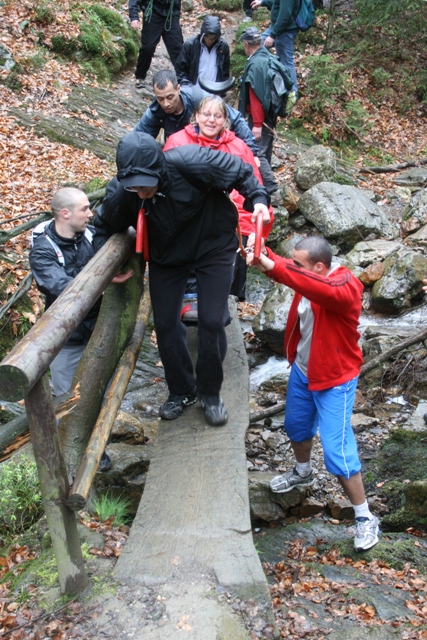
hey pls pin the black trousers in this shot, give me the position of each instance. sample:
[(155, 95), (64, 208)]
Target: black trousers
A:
[(167, 284), (151, 33)]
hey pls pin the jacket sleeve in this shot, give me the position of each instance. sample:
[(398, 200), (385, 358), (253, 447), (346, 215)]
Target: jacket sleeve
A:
[(150, 122), (267, 3), (285, 19), (226, 172), (49, 274), (241, 129), (134, 9), (337, 293), (182, 64)]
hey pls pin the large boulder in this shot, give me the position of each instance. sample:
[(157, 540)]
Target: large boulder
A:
[(401, 284), (365, 253), (344, 214), (269, 324), (318, 164)]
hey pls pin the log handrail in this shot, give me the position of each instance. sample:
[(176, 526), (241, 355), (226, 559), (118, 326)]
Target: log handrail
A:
[(30, 358)]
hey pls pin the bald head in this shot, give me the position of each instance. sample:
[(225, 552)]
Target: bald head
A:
[(71, 211)]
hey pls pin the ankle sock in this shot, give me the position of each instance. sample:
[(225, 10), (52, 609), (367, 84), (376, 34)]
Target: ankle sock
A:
[(303, 469), (362, 510)]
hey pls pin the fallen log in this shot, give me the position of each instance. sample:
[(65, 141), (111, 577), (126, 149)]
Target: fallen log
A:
[(267, 413), (418, 337), (393, 168)]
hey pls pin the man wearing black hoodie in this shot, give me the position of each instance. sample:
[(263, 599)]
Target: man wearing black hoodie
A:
[(191, 227), (206, 54)]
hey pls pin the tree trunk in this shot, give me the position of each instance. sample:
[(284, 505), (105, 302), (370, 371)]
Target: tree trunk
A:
[(113, 331), (330, 30)]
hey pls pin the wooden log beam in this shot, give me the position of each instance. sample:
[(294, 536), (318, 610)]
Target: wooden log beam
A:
[(110, 407), (31, 357), (54, 487), (390, 353)]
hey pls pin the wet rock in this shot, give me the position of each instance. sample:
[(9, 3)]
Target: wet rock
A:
[(290, 199), (127, 428), (269, 324), (286, 247), (371, 274), (341, 508), (261, 503), (416, 498), (317, 164), (401, 284), (280, 227), (343, 213)]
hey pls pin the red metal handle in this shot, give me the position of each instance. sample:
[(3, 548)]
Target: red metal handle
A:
[(258, 237), (140, 231)]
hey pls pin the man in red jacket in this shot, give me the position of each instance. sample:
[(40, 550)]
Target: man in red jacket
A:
[(321, 344)]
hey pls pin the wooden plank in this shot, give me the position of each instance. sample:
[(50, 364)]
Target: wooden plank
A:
[(195, 506)]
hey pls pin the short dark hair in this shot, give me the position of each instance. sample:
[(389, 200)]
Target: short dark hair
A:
[(163, 77), (318, 249)]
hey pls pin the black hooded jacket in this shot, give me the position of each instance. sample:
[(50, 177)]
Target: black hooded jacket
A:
[(187, 64), (191, 215), (52, 277)]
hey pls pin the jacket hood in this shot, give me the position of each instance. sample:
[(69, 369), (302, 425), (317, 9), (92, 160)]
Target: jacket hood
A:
[(138, 153), (211, 24)]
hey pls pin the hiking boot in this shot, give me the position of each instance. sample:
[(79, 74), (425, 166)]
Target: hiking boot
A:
[(289, 480), (367, 531), (105, 463), (189, 311), (214, 409), (175, 405), (139, 83)]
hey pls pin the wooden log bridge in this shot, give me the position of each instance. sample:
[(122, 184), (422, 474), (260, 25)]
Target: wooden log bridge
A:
[(194, 511), (22, 375)]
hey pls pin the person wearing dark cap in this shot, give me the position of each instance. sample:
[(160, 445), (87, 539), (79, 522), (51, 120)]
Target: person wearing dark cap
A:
[(255, 91), (282, 32), (191, 226), (206, 55)]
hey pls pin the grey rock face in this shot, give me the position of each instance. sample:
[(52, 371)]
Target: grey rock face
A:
[(401, 283), (318, 164), (365, 253), (344, 214), (416, 177), (269, 324), (415, 214)]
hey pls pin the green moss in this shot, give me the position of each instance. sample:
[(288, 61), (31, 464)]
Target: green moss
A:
[(394, 549), (223, 5)]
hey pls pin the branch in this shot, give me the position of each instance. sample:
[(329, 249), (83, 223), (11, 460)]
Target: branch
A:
[(22, 289), (393, 168), (418, 337)]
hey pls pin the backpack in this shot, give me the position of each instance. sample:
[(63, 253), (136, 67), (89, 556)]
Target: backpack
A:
[(40, 230), (305, 16), (282, 98)]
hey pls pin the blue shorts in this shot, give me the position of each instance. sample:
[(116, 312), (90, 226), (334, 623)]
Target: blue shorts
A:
[(328, 411)]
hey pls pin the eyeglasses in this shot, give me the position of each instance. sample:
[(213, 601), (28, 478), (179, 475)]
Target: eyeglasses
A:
[(217, 116)]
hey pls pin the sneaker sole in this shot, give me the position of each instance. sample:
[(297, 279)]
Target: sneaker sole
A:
[(359, 549), (300, 484)]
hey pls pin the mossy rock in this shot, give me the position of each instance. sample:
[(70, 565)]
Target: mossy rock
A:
[(395, 549), (222, 5)]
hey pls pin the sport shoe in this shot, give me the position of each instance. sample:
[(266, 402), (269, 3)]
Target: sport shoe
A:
[(174, 405), (214, 409), (139, 83), (367, 531), (189, 311), (289, 480), (105, 463)]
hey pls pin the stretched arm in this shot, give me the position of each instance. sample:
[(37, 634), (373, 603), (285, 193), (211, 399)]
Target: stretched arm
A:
[(151, 121), (241, 129)]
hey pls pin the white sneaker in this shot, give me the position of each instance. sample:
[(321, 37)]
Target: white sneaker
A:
[(289, 480), (367, 531)]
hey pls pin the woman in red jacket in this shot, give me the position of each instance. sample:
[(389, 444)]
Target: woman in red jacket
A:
[(209, 128)]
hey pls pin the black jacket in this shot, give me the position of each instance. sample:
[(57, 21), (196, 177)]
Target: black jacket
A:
[(161, 6), (187, 64), (52, 277), (191, 215)]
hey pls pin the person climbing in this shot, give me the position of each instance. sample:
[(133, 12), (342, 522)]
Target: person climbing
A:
[(322, 345), (160, 20), (191, 226), (206, 55)]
